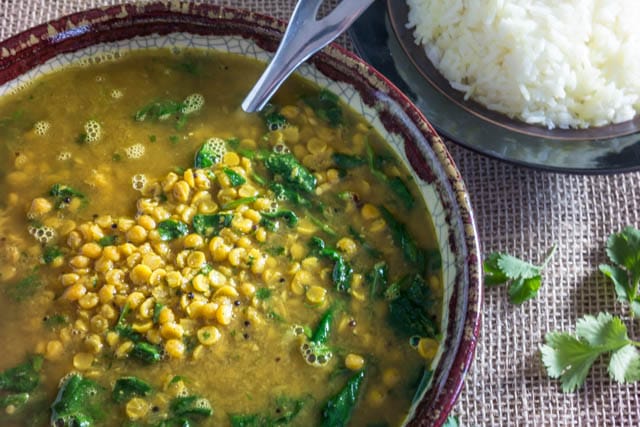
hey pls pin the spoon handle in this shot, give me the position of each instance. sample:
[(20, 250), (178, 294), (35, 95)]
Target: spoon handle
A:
[(305, 35)]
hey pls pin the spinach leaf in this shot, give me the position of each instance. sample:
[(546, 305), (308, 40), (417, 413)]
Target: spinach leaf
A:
[(409, 311), (208, 225), (339, 408), (326, 105), (238, 202), (234, 177), (323, 329), (190, 406), (275, 121), (342, 271), (78, 403), (172, 229), (146, 352), (50, 253), (282, 192), (24, 377), (401, 237), (268, 219), (209, 154), (346, 161), (286, 167), (284, 411), (25, 287), (127, 387), (377, 278), (17, 400)]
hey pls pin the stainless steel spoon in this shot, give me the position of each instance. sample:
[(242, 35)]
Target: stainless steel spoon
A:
[(305, 35)]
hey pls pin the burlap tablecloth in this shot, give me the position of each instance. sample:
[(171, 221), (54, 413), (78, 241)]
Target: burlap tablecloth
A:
[(523, 212)]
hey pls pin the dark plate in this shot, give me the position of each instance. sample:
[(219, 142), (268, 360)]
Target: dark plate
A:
[(381, 38)]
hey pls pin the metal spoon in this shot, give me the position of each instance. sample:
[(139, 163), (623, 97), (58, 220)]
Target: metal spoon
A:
[(305, 35)]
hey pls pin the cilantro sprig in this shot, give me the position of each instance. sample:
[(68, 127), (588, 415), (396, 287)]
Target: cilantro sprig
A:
[(623, 249), (570, 357), (524, 278)]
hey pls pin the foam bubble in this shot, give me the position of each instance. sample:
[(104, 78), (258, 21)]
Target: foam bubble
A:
[(139, 181), (42, 127), (42, 234), (273, 207), (100, 79), (135, 151), (192, 103), (116, 94), (217, 146), (93, 131), (64, 155), (281, 148)]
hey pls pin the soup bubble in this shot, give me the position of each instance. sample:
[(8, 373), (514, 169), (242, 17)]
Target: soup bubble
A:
[(41, 127), (93, 131), (138, 182), (116, 94), (192, 103), (64, 155), (135, 151), (42, 234)]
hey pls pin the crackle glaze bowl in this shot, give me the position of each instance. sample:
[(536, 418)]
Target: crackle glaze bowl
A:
[(110, 31)]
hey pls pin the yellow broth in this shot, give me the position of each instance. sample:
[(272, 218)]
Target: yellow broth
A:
[(99, 248)]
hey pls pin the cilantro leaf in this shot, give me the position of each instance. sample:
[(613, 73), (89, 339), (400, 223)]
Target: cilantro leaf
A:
[(524, 278), (623, 249), (570, 357)]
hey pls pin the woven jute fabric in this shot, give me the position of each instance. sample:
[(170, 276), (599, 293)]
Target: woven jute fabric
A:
[(522, 212)]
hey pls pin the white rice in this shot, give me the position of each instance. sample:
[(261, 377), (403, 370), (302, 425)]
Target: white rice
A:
[(557, 63)]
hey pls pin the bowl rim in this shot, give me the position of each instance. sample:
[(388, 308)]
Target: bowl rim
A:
[(34, 46)]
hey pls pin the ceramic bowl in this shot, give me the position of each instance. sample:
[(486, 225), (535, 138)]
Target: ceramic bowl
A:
[(108, 31)]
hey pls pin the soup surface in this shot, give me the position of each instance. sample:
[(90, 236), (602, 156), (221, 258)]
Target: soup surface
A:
[(166, 259)]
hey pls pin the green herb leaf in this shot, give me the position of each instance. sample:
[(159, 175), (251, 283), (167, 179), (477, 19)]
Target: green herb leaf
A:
[(623, 250), (263, 293), (108, 240), (171, 229), (208, 225), (524, 278), (570, 357), (63, 194)]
